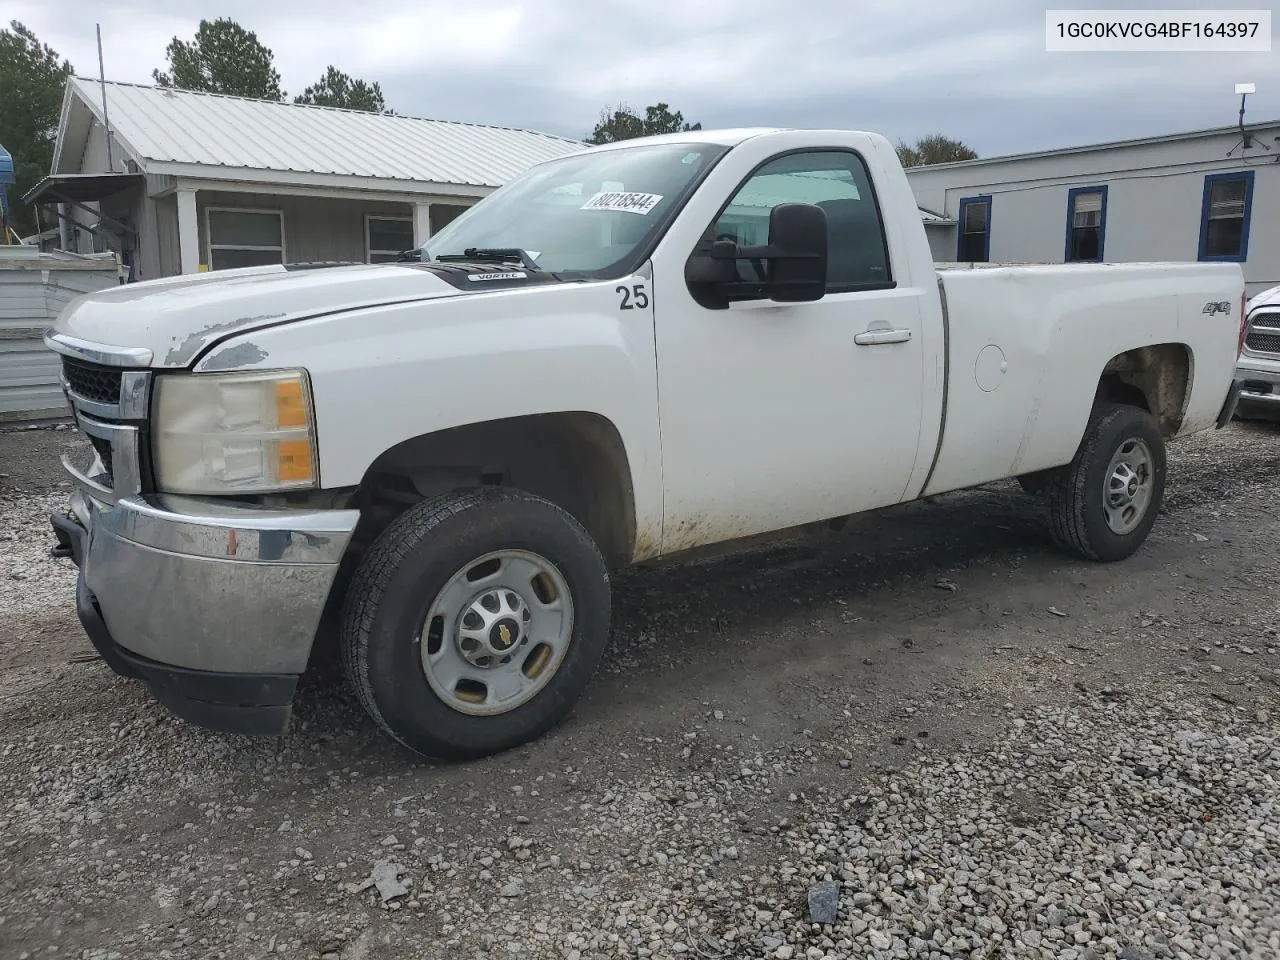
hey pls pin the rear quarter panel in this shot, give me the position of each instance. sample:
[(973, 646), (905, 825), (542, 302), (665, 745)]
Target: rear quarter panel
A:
[(1028, 344)]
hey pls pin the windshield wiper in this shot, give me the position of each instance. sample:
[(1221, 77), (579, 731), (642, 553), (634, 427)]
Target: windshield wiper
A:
[(501, 254)]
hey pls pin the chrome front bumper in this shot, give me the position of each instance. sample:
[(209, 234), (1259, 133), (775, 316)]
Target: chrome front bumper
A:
[(1261, 381), (215, 605), (212, 586)]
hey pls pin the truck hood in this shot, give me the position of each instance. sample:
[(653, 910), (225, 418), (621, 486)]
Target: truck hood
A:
[(178, 318), (1269, 297)]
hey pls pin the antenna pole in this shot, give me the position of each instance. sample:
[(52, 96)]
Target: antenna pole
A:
[(106, 123)]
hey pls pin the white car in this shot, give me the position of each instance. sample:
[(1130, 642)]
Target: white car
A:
[(1258, 367), (625, 353)]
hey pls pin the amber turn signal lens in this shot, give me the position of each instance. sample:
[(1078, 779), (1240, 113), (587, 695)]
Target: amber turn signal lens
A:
[(291, 408), (293, 460)]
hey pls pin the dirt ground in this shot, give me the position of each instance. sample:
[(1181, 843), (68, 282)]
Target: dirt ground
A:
[(759, 717)]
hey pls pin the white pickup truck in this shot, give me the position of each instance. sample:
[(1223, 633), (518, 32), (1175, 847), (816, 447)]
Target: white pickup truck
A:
[(625, 353)]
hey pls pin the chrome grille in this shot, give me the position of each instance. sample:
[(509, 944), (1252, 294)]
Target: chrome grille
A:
[(1261, 342), (109, 391), (1263, 335), (102, 447), (91, 381)]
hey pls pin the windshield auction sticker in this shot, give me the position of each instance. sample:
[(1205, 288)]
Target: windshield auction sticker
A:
[(640, 203)]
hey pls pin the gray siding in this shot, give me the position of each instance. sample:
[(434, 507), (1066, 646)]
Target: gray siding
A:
[(314, 228), (148, 240), (32, 294), (1154, 193), (165, 211), (942, 242)]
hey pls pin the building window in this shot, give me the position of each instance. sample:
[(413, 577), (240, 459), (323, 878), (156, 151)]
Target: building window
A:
[(386, 237), (836, 181), (244, 238), (1224, 216), (1086, 223), (975, 229)]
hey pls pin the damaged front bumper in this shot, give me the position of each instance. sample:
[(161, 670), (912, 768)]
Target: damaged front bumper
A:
[(213, 605)]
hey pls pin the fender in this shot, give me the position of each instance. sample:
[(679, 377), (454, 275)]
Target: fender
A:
[(384, 374)]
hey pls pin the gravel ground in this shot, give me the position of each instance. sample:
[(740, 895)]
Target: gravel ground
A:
[(929, 735)]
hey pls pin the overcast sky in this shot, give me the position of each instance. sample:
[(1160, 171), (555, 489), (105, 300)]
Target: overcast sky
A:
[(977, 71)]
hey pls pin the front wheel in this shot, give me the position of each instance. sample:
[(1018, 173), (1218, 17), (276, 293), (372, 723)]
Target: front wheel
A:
[(1103, 504), (475, 622)]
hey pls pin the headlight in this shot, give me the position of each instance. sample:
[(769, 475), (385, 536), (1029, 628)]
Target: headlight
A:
[(233, 433)]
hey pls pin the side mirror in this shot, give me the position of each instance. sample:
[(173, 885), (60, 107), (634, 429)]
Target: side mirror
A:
[(791, 267), (798, 266)]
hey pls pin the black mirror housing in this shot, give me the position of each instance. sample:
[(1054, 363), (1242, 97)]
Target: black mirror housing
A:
[(798, 272), (793, 262)]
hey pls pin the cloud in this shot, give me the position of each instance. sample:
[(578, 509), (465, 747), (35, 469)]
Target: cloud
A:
[(905, 68)]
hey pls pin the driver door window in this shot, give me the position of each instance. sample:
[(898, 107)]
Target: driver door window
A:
[(836, 181)]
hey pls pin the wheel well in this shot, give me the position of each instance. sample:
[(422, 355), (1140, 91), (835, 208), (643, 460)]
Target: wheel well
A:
[(1156, 378), (576, 460)]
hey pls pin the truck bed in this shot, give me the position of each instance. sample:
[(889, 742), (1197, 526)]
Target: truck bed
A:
[(1020, 338)]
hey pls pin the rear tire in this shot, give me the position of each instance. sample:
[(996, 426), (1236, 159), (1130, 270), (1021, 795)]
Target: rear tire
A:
[(1103, 504), (457, 611)]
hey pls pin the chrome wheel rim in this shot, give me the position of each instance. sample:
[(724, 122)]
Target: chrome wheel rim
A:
[(497, 632), (1127, 495)]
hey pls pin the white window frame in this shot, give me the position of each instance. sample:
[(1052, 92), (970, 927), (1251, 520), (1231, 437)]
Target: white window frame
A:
[(210, 246), (368, 243)]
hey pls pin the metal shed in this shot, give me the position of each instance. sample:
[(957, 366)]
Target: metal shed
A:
[(34, 287)]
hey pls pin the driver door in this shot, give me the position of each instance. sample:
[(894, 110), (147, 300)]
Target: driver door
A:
[(778, 414)]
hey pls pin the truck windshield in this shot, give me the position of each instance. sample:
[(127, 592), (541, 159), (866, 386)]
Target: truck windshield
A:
[(585, 216)]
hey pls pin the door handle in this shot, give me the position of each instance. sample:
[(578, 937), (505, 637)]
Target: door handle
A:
[(881, 335)]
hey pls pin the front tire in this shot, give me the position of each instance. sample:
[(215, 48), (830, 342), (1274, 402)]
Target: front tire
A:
[(475, 622), (1103, 504)]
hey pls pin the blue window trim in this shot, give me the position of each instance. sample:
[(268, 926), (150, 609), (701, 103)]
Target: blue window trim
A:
[(1102, 222), (1209, 181), (986, 240)]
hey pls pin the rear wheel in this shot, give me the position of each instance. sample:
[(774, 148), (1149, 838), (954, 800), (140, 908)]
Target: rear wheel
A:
[(1103, 504), (475, 622)]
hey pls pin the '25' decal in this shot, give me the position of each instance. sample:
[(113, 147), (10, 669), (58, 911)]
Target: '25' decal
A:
[(633, 297)]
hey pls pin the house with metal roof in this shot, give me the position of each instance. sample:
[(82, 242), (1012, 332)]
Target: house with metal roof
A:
[(178, 181), (1203, 195)]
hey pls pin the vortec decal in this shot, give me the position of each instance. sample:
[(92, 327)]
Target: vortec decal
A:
[(510, 275)]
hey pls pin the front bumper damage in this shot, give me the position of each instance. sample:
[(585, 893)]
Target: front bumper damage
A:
[(213, 605)]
